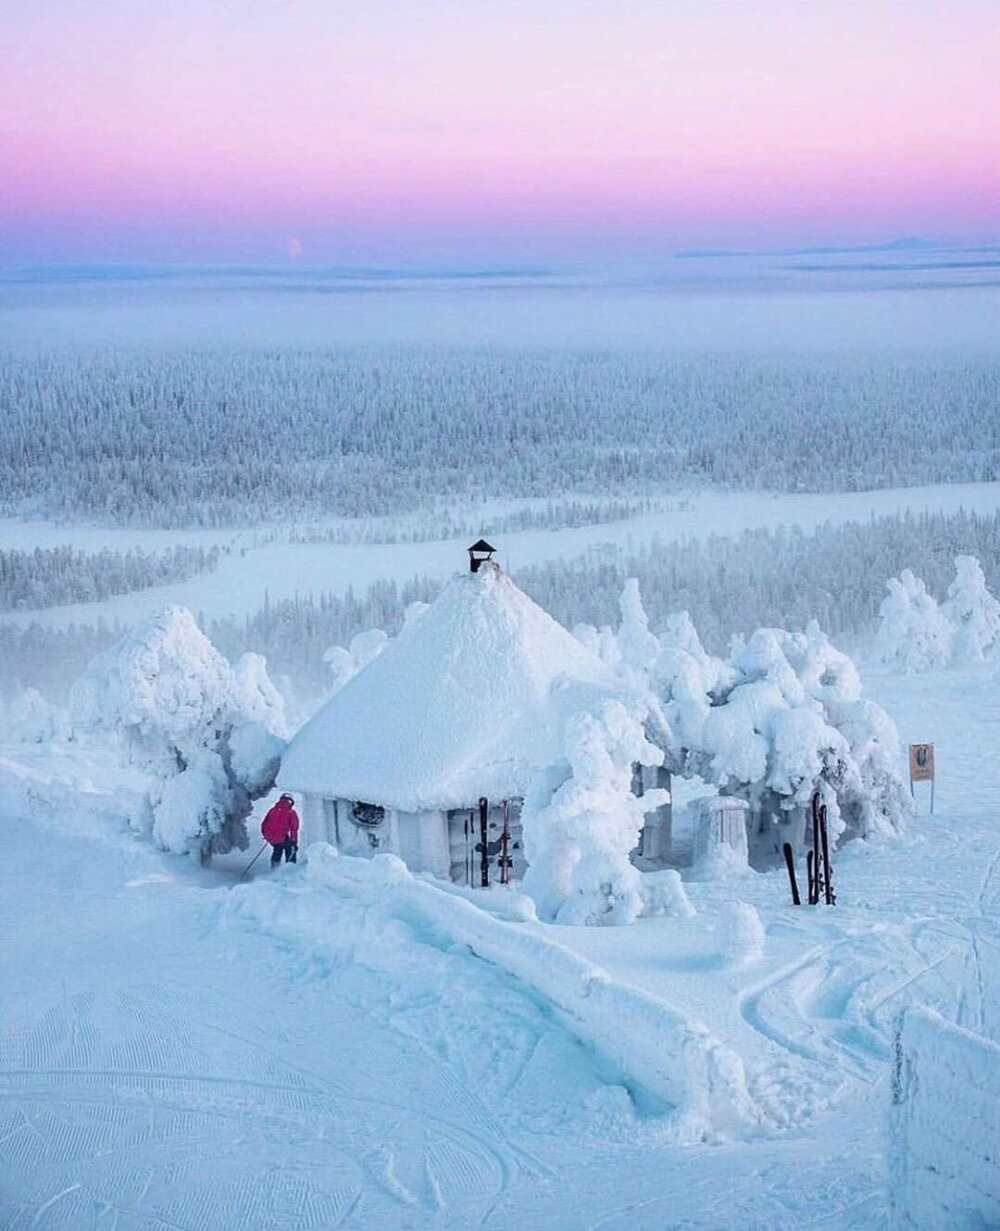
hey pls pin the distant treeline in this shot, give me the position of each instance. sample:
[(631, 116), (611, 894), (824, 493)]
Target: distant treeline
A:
[(447, 524), (55, 576), (784, 578), (229, 437)]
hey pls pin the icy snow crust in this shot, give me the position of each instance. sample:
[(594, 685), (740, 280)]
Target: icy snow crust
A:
[(471, 698)]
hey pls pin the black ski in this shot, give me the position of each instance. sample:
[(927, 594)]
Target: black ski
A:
[(506, 863), (812, 859), (790, 865), (829, 896), (484, 840)]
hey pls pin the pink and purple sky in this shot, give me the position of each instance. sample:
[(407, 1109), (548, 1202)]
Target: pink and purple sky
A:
[(388, 131)]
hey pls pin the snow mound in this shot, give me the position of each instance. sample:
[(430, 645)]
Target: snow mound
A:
[(739, 934), (471, 698), (664, 894)]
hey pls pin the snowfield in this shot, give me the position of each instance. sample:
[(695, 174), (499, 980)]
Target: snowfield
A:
[(339, 1043), (263, 566)]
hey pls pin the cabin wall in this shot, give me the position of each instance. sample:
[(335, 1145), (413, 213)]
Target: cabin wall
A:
[(420, 839), (312, 821)]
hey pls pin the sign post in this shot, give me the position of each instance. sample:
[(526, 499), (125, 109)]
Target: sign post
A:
[(922, 767)]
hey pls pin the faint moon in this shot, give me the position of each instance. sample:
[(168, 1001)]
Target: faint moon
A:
[(294, 247)]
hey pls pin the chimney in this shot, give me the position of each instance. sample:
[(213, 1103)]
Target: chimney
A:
[(479, 553)]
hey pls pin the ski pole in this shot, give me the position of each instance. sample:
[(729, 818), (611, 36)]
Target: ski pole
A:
[(253, 861)]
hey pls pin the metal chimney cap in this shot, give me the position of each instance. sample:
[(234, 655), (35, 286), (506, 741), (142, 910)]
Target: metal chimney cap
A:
[(479, 553)]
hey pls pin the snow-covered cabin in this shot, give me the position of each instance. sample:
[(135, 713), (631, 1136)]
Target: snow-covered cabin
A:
[(468, 703)]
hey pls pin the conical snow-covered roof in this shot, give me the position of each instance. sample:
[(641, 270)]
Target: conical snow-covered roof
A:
[(470, 699)]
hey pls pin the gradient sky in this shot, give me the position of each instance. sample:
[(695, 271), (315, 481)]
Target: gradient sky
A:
[(491, 130)]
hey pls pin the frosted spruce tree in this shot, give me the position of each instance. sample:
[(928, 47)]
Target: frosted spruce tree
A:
[(577, 838), (913, 633), (973, 612), (781, 719), (178, 710)]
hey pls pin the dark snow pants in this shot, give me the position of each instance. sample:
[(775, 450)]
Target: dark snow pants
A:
[(288, 848)]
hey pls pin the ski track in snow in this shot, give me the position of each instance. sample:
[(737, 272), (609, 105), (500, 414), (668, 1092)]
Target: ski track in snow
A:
[(158, 1071), (193, 1103)]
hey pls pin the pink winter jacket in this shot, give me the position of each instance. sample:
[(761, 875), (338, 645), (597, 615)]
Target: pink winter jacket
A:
[(281, 822)]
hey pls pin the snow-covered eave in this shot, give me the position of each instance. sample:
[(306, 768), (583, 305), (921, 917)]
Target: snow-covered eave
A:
[(504, 780)]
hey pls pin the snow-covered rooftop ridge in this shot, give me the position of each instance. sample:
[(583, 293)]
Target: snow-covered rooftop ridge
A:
[(470, 699)]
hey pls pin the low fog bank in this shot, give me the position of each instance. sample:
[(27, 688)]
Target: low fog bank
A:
[(891, 299)]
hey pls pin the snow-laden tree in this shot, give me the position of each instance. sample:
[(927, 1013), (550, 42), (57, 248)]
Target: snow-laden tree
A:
[(344, 664), (578, 837), (686, 678), (974, 613), (795, 723), (179, 711), (780, 720), (913, 633), (258, 698), (638, 647)]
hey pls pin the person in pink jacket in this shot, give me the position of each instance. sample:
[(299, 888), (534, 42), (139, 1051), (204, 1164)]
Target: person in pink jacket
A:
[(281, 828)]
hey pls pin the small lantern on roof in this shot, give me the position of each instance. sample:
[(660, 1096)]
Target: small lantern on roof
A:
[(479, 553)]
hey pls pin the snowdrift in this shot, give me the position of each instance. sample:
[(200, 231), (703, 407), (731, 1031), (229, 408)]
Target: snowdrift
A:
[(944, 1158), (657, 1048)]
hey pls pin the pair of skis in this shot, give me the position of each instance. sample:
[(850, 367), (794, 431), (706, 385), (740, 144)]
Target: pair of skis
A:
[(488, 850), (817, 862)]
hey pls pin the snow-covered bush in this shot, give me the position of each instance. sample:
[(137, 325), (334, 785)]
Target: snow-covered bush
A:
[(913, 633), (739, 934), (974, 613), (179, 711), (577, 839)]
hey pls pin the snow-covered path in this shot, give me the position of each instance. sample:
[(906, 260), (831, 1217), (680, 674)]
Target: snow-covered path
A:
[(178, 1053)]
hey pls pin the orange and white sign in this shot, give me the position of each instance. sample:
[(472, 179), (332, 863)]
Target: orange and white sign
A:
[(921, 762)]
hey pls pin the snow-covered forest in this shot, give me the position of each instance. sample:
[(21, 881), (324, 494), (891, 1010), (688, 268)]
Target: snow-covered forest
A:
[(50, 577), (760, 578), (227, 436)]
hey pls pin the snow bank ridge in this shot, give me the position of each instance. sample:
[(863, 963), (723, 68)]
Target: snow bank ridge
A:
[(657, 1047), (944, 1158)]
